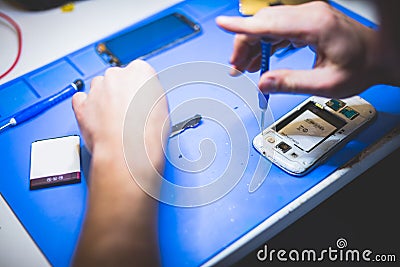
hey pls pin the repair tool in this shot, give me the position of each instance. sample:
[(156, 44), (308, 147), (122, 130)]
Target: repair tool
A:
[(263, 98), (182, 126), (43, 105), (256, 182)]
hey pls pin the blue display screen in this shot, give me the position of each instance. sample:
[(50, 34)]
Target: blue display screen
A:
[(151, 38)]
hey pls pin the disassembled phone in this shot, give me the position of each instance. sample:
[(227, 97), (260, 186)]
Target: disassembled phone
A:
[(307, 135), (147, 39)]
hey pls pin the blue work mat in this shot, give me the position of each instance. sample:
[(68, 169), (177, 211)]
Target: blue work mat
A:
[(189, 236)]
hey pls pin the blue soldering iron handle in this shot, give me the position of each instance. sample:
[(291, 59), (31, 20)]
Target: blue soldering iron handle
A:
[(45, 104)]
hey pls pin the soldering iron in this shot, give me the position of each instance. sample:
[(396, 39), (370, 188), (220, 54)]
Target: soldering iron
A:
[(43, 105)]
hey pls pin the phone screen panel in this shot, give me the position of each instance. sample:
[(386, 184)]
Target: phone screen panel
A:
[(147, 39)]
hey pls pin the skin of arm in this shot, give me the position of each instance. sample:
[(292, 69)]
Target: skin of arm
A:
[(348, 54), (120, 226)]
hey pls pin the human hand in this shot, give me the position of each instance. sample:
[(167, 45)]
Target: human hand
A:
[(121, 219), (344, 48), (101, 112)]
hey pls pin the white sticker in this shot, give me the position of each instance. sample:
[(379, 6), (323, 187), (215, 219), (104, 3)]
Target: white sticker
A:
[(307, 130)]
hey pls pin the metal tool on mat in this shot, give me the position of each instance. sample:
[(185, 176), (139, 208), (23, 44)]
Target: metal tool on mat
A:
[(182, 126)]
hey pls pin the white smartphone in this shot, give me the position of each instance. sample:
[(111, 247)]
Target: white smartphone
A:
[(307, 135)]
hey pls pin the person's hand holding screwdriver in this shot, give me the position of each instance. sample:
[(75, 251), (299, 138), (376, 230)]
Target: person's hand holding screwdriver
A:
[(348, 59)]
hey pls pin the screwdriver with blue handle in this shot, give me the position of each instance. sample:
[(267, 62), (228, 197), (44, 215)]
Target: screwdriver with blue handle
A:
[(263, 98), (43, 105), (257, 181)]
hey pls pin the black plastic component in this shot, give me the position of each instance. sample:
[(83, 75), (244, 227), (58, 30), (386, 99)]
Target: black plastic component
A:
[(284, 147), (79, 84)]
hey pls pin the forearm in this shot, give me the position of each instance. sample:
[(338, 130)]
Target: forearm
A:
[(120, 228)]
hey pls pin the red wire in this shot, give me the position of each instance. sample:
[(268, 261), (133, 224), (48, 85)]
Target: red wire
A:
[(19, 34)]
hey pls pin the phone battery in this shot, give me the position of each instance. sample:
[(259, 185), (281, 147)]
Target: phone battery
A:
[(55, 161), (307, 130)]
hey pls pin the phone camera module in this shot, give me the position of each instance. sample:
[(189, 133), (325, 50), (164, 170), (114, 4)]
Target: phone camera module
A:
[(283, 147)]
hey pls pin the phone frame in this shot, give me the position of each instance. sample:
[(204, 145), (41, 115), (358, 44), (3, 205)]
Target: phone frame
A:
[(296, 160), (111, 58)]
